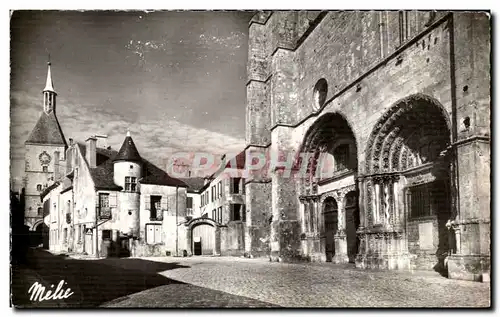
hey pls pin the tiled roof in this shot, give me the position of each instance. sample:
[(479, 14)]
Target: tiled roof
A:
[(154, 175), (102, 175), (194, 183), (48, 189), (240, 164), (128, 152), (47, 131)]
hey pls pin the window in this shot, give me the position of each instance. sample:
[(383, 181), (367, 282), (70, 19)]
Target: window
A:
[(219, 186), (65, 235), (130, 184), (155, 208), (341, 155), (39, 211), (106, 235), (189, 205), (319, 93), (219, 215), (39, 187), (45, 169), (235, 212), (427, 199), (236, 186), (213, 193), (153, 233), (104, 209)]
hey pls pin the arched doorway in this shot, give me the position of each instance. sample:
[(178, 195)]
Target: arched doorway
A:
[(331, 151), (352, 224), (408, 180), (330, 215), (203, 239), (40, 236)]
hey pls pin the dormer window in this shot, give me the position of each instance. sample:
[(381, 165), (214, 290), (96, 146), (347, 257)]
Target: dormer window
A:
[(130, 184)]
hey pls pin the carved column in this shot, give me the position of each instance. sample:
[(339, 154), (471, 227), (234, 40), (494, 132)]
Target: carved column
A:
[(341, 236), (302, 214)]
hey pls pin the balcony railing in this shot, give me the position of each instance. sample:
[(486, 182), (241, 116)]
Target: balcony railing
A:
[(104, 212), (158, 216)]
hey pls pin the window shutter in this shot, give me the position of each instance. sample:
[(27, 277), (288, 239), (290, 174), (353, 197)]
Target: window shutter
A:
[(164, 202), (112, 200), (231, 210), (150, 234), (157, 233), (147, 202)]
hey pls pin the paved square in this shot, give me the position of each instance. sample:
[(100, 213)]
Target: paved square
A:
[(315, 285)]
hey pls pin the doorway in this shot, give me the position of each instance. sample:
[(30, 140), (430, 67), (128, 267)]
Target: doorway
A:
[(203, 236), (352, 224), (330, 212)]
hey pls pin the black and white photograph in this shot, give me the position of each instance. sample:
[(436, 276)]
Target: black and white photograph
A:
[(250, 158)]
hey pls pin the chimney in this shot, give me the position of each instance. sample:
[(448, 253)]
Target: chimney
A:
[(56, 165), (90, 154)]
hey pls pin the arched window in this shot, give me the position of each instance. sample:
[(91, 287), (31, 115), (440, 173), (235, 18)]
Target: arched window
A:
[(341, 156), (39, 187), (45, 169), (39, 211), (320, 92)]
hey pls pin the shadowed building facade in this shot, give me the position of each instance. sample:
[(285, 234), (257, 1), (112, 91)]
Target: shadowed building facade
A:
[(393, 111)]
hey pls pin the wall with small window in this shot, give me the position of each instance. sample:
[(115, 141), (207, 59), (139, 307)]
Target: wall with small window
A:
[(161, 209)]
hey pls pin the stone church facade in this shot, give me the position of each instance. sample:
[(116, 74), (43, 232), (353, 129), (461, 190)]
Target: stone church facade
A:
[(395, 106)]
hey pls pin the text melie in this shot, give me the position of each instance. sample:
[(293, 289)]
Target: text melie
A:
[(39, 293)]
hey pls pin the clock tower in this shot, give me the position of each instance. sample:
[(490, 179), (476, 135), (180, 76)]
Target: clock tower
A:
[(45, 150)]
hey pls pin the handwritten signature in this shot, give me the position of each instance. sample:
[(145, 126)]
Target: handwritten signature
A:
[(39, 292)]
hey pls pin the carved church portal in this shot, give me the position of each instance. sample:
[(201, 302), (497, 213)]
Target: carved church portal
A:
[(330, 210), (408, 158)]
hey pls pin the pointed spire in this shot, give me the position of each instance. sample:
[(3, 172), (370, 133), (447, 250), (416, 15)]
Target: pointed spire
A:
[(128, 151), (49, 86)]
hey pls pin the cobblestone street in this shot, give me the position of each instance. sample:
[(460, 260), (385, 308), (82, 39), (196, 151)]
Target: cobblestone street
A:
[(258, 281)]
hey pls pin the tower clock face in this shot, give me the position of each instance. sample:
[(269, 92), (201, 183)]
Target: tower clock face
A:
[(45, 158)]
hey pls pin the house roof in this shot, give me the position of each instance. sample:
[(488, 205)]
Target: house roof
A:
[(102, 174), (195, 184), (47, 131), (128, 151), (239, 159), (48, 189)]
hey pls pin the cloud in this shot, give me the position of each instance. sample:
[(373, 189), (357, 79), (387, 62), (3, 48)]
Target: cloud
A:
[(156, 139)]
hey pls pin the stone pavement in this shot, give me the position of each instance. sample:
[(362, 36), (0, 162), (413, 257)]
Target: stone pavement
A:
[(233, 282), (313, 285)]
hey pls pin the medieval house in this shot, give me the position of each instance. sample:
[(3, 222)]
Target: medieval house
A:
[(96, 200), (395, 106)]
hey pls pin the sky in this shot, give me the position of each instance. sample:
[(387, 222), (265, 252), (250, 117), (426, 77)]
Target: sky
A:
[(175, 79)]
